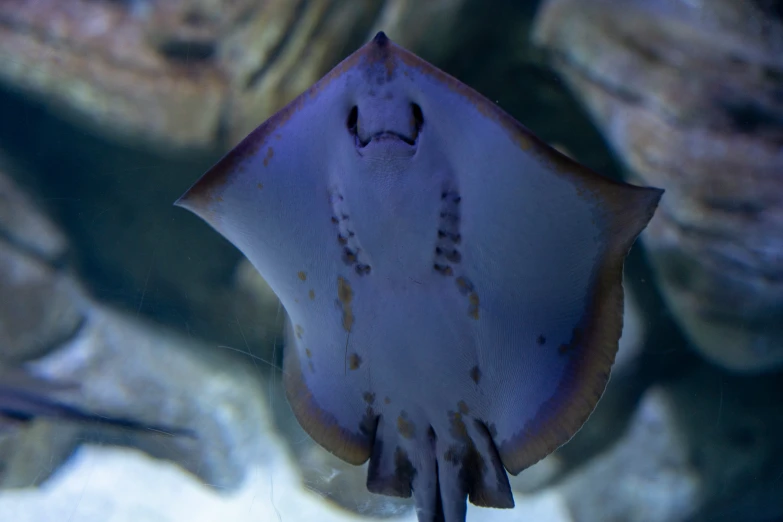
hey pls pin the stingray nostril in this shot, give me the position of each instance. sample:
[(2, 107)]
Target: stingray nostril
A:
[(418, 117), (353, 119)]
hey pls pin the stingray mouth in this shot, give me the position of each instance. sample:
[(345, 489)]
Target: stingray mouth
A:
[(409, 137)]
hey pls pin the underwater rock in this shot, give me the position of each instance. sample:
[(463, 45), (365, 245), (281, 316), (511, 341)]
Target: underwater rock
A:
[(168, 73), (645, 477), (128, 368), (125, 368), (123, 485), (138, 69), (431, 28), (37, 310), (182, 73), (538, 476), (688, 95), (345, 485), (704, 447), (634, 332), (24, 226)]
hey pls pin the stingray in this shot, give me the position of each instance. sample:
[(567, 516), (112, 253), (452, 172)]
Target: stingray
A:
[(453, 285)]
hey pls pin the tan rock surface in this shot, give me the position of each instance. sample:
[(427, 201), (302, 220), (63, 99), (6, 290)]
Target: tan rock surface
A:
[(690, 97), (170, 74)]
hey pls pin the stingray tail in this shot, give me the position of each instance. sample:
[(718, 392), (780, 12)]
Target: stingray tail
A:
[(441, 473)]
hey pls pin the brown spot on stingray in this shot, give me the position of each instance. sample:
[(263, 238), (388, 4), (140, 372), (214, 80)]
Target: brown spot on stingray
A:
[(369, 423), (368, 397), (452, 454), (269, 153), (349, 256), (493, 430), (406, 428), (474, 305), (386, 400), (354, 361), (396, 482), (464, 285), (541, 340), (473, 467), (311, 293), (308, 353), (345, 297), (463, 407), (404, 471), (443, 269), (299, 331), (475, 374), (301, 275), (458, 429), (260, 186)]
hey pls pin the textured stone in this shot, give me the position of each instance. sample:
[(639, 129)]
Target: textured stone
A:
[(345, 485), (703, 447), (688, 95), (37, 305), (23, 225), (645, 477), (120, 366), (121, 67), (122, 485), (128, 368), (186, 73)]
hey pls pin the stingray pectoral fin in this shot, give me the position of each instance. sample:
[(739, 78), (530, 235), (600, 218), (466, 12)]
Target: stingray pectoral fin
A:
[(581, 371), (341, 427), (270, 195)]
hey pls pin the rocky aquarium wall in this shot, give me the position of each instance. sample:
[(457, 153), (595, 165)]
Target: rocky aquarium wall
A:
[(140, 353)]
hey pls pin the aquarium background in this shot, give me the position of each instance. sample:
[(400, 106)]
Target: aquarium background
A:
[(135, 314)]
